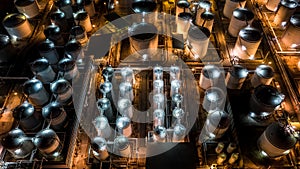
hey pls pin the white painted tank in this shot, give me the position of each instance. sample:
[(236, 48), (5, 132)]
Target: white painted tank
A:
[(98, 145), (17, 25), (206, 20), (43, 71), (125, 107), (126, 91), (89, 7), (124, 126), (203, 6), (272, 5), (230, 5), (158, 101), (29, 8), (285, 11), (62, 91), (177, 114), (127, 75), (83, 19), (175, 87), (183, 24), (291, 36), (102, 126), (263, 75), (214, 99), (236, 77), (209, 76), (160, 134), (158, 73), (122, 146), (158, 117), (241, 17), (68, 67), (198, 39), (217, 124), (78, 32), (174, 73), (158, 86), (47, 50), (36, 92), (56, 114), (179, 133)]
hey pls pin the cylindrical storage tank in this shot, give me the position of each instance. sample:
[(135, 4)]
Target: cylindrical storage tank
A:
[(285, 11), (7, 51), (183, 23), (143, 6), (82, 18), (78, 32), (43, 71), (214, 99), (174, 73), (203, 6), (98, 145), (108, 73), (124, 126), (126, 91), (158, 101), (36, 92), (17, 144), (198, 39), (143, 37), (102, 126), (56, 115), (158, 117), (62, 91), (28, 119), (247, 43), (241, 17), (158, 86), (182, 6), (65, 6), (291, 36), (68, 67), (127, 75), (207, 20), (29, 8), (104, 106), (58, 17), (17, 25), (48, 143), (179, 133), (125, 107), (272, 5), (264, 100), (176, 100), (89, 7), (236, 77), (177, 114), (47, 50), (122, 145), (209, 76), (158, 72), (105, 89), (276, 140), (53, 33), (175, 87), (74, 49), (230, 5), (217, 124), (263, 75), (160, 133)]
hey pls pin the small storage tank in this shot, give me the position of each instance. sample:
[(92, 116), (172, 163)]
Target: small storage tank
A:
[(56, 115), (158, 72), (217, 124), (127, 75), (241, 17), (203, 6), (158, 101), (177, 100), (206, 20), (263, 75), (183, 24), (291, 36), (7, 51), (48, 143), (74, 49), (78, 32), (53, 33), (65, 6), (47, 50), (236, 77), (105, 88), (276, 140), (17, 25), (174, 73), (124, 126), (158, 86), (102, 126), (214, 99), (285, 11), (175, 87), (125, 107), (122, 146), (198, 39), (36, 92), (209, 76), (178, 114), (58, 17), (82, 18), (104, 106), (126, 91), (62, 91), (179, 133), (230, 5), (29, 8), (160, 133), (17, 143), (68, 67), (158, 117), (272, 5), (247, 43), (182, 6), (89, 7), (108, 73), (263, 101), (43, 71), (98, 145), (29, 120)]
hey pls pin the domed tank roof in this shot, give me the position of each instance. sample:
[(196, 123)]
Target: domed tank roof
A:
[(121, 142), (211, 71), (62, 3), (158, 70), (39, 65), (46, 45), (160, 130), (183, 4), (142, 31), (291, 4), (295, 19), (105, 87), (98, 144), (280, 138), (57, 15), (250, 34), (77, 30), (23, 2), (206, 4), (45, 138), (239, 71), (140, 6), (159, 113), (103, 103), (185, 15), (108, 71), (66, 64), (177, 97), (60, 86), (23, 111), (219, 119), (4, 40), (214, 94), (178, 112), (32, 86), (51, 30), (52, 110), (243, 14), (13, 20), (198, 32), (268, 95), (123, 122), (13, 139), (81, 15), (207, 16), (264, 71), (72, 45)]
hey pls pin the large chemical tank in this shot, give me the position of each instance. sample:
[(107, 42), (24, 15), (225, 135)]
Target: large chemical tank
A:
[(236, 77), (122, 146), (206, 20), (214, 99), (29, 8), (58, 17), (82, 18), (68, 67), (17, 25), (241, 17), (74, 49), (276, 140), (53, 32), (291, 36), (263, 75), (183, 24), (56, 115), (7, 51), (198, 39), (124, 126), (65, 6), (78, 32), (285, 11), (209, 76), (36, 92), (98, 145), (47, 50), (202, 7), (217, 124), (272, 5), (230, 5), (62, 91), (43, 71)]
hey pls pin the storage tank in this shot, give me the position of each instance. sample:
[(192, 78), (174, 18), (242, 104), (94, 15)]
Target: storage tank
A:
[(179, 133), (29, 120), (125, 107), (158, 73), (175, 87), (104, 106), (291, 36), (158, 117), (158, 86), (217, 124), (102, 126), (158, 101), (183, 24), (124, 126), (83, 19), (48, 143), (74, 49), (127, 75), (241, 17), (68, 67), (263, 75), (36, 92), (122, 146), (108, 73), (247, 43), (272, 5), (53, 33), (7, 51), (177, 99), (214, 99), (203, 6), (146, 6), (177, 114), (285, 11), (230, 5), (65, 6), (263, 101), (78, 32), (174, 73), (43, 71), (56, 115), (17, 143), (89, 7), (98, 145), (160, 133), (17, 25), (62, 91), (236, 77), (206, 20), (105, 89), (126, 91), (198, 39), (276, 140), (29, 8), (182, 6), (47, 50), (210, 74), (58, 17)]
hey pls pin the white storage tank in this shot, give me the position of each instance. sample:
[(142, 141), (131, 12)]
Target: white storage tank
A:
[(160, 133), (247, 43), (122, 146), (214, 99), (74, 49), (183, 24), (104, 106), (99, 147), (210, 75), (198, 39), (47, 50), (241, 17), (276, 140), (158, 101), (56, 115), (272, 5), (78, 32), (53, 33), (43, 71), (236, 77), (65, 6), (36, 92), (285, 11), (206, 20), (127, 75), (179, 133), (158, 117), (291, 36), (17, 25), (102, 126), (158, 86), (174, 73), (230, 5), (68, 67), (217, 124), (263, 75), (158, 73), (126, 91), (58, 17), (124, 126), (203, 6), (29, 8), (83, 19)]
